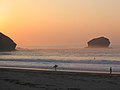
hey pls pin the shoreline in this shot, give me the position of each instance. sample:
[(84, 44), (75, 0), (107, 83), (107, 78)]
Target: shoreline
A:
[(67, 72)]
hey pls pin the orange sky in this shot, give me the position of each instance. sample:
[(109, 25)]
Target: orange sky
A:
[(59, 22)]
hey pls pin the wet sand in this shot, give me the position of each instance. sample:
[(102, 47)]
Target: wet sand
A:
[(22, 79)]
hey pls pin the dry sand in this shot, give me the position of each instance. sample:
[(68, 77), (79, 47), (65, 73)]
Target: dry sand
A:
[(18, 79)]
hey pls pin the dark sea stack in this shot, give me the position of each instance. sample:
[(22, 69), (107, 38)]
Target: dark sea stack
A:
[(100, 42), (6, 43)]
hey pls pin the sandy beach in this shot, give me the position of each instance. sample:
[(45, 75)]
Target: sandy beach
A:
[(19, 79)]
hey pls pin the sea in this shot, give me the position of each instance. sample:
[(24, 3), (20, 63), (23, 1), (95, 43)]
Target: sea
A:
[(75, 59)]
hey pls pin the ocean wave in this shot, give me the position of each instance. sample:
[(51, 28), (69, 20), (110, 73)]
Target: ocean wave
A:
[(115, 62)]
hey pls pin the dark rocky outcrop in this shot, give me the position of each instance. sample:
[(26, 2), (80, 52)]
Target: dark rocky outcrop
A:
[(6, 43), (100, 42)]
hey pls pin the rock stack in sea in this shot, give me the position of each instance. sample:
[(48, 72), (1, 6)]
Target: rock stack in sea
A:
[(6, 43), (101, 42)]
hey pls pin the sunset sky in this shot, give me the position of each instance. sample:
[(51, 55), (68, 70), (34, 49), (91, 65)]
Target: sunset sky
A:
[(59, 22)]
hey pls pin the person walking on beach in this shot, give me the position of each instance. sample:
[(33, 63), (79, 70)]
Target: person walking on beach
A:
[(110, 70), (55, 66)]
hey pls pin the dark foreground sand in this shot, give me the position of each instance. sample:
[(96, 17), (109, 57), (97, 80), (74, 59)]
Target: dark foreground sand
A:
[(17, 79)]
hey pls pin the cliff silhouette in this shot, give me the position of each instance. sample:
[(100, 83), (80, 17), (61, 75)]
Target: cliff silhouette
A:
[(6, 43), (100, 42)]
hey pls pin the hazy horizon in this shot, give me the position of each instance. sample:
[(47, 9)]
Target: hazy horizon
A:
[(59, 22)]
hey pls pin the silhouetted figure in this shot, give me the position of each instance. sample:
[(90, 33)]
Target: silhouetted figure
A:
[(55, 67), (110, 70)]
